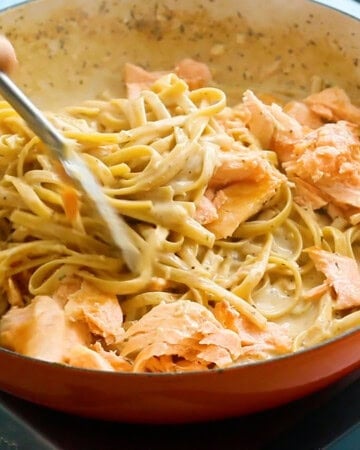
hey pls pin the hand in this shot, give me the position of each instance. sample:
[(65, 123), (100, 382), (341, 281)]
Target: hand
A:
[(8, 60)]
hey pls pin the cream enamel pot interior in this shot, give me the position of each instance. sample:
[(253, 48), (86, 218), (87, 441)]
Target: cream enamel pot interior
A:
[(72, 51)]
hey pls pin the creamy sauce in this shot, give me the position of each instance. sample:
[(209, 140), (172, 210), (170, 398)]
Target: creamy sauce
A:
[(75, 55)]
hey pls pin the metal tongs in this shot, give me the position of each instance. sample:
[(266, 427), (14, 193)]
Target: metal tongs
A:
[(74, 167)]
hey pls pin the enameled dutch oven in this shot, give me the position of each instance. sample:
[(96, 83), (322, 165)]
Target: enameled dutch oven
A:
[(72, 51)]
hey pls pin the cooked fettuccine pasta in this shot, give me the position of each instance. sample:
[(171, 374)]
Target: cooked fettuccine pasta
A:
[(246, 217)]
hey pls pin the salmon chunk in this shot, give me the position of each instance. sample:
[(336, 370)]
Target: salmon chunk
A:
[(324, 162), (194, 73), (238, 202), (256, 344), (342, 273), (329, 159), (86, 358), (138, 79), (303, 114), (184, 330), (41, 330), (100, 311), (239, 188), (333, 104)]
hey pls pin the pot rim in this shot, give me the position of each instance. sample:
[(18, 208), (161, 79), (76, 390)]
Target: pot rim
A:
[(238, 366), (349, 8)]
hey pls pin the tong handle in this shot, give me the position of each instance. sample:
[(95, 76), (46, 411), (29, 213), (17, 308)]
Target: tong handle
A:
[(74, 167), (36, 121)]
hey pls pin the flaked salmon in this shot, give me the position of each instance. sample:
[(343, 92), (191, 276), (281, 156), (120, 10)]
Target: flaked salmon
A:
[(342, 274), (167, 363), (41, 330), (329, 105), (238, 202), (303, 114), (86, 358), (100, 311), (67, 287), (196, 75), (256, 344), (240, 186), (274, 129), (97, 358), (333, 104), (116, 361), (324, 162), (329, 159), (184, 330)]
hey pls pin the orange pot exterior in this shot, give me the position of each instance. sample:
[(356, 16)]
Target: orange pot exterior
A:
[(176, 398)]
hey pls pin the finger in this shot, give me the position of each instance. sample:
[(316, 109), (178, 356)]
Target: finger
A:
[(8, 59)]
